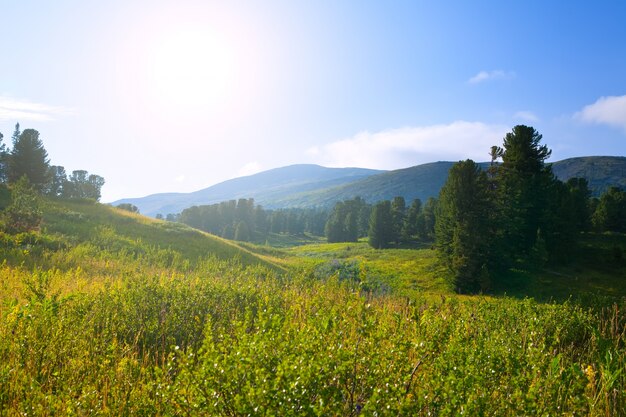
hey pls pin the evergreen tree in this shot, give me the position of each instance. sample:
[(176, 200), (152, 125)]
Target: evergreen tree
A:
[(462, 229), (426, 220), (410, 227), (381, 224), (3, 160), (523, 183), (16, 134), (581, 195), (398, 214), (242, 232), (610, 214), (29, 158)]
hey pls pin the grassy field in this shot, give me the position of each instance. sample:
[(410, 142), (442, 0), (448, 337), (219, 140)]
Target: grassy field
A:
[(109, 313)]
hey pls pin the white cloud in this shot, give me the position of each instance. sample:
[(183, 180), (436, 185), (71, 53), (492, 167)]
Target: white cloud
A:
[(526, 115), (606, 110), (491, 75), (398, 148), (180, 178), (249, 169), (24, 110)]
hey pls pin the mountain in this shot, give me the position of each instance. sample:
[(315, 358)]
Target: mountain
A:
[(602, 172), (267, 188), (420, 181), (315, 186)]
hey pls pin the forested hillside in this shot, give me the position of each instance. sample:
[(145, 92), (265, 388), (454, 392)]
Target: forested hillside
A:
[(309, 186)]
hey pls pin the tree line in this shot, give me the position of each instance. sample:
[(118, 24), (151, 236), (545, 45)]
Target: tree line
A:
[(515, 213), (26, 174), (28, 158), (244, 221)]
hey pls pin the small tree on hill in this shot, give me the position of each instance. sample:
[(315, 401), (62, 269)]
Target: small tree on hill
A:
[(24, 212), (128, 207), (29, 158)]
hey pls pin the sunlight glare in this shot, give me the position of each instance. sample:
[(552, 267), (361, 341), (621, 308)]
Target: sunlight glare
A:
[(193, 67)]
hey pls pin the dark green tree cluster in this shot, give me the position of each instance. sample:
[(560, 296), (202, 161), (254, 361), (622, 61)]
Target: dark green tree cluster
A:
[(29, 159), (347, 221), (392, 223), (610, 211), (515, 213), (243, 220), (26, 174), (128, 207)]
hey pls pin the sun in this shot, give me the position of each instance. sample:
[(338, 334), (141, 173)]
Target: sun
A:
[(192, 67)]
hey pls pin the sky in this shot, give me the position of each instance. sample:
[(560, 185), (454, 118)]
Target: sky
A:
[(175, 96)]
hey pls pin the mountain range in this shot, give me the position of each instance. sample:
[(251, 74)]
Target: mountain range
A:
[(309, 185)]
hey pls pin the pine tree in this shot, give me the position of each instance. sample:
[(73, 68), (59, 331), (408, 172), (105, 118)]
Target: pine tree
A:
[(380, 230), (398, 214), (3, 159), (462, 230), (523, 183), (29, 158), (410, 227)]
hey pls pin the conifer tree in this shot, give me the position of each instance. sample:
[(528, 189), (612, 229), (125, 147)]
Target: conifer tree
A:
[(462, 229), (29, 158), (523, 184), (381, 223)]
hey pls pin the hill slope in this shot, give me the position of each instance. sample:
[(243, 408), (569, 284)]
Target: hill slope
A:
[(602, 172), (266, 188), (99, 229), (314, 186)]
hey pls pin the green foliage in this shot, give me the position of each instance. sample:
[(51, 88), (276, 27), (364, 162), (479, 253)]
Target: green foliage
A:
[(24, 212), (610, 214), (344, 221), (463, 235), (242, 232), (83, 185), (381, 225), (523, 182), (29, 158), (106, 312), (128, 207)]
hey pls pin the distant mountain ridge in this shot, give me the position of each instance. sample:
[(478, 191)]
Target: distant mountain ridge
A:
[(265, 187), (316, 186)]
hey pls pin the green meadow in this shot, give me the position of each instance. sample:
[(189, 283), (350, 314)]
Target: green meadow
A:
[(105, 312)]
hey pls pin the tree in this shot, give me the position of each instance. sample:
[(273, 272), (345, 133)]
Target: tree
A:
[(343, 222), (462, 230), (128, 207), (398, 214), (29, 158), (58, 179), (242, 232), (409, 228), (83, 185), (523, 183), (24, 212), (426, 220), (3, 160), (610, 214), (381, 224), (581, 195)]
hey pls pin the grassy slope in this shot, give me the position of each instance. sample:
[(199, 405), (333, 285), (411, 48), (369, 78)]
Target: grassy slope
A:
[(170, 335)]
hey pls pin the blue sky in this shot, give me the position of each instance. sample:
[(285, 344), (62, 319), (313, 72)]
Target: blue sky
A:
[(160, 96)]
